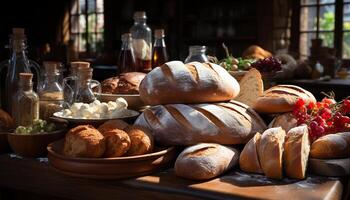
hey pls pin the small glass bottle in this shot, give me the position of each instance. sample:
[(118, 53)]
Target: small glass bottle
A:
[(197, 53), (126, 62), (51, 94), (142, 42), (159, 55), (25, 102), (85, 84)]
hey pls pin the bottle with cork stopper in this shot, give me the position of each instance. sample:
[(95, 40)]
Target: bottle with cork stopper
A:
[(159, 55), (25, 102), (84, 91), (51, 93)]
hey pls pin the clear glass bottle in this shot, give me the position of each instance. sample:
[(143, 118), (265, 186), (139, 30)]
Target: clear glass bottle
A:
[(126, 62), (18, 63), (197, 53), (142, 42), (85, 85), (51, 93), (159, 55), (25, 102)]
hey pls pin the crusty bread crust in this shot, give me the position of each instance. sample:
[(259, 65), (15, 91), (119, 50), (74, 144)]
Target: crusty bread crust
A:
[(249, 159), (331, 146), (205, 161), (251, 87), (194, 82), (282, 98), (270, 152), (286, 120), (296, 152)]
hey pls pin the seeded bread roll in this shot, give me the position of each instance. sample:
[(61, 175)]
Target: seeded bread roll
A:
[(175, 82), (296, 152), (331, 146), (249, 158), (223, 123), (270, 152), (205, 161), (251, 87), (281, 99)]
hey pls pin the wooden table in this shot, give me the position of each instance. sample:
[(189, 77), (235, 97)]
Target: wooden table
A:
[(37, 177)]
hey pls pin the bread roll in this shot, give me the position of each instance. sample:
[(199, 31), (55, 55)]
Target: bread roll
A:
[(142, 141), (126, 83), (251, 87), (282, 98), (194, 82), (113, 124), (296, 152), (249, 159), (256, 52), (117, 143), (331, 146), (286, 120), (223, 123), (270, 152), (205, 161), (84, 141)]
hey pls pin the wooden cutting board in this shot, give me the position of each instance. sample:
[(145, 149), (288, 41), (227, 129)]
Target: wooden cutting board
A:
[(330, 167)]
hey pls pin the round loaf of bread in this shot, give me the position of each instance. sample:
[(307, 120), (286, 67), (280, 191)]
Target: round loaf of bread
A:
[(223, 123), (205, 161), (117, 143), (331, 146), (84, 141), (142, 141), (176, 82), (281, 99)]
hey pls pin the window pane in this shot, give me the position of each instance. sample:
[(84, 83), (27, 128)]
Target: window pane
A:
[(99, 6), (74, 24), (326, 1), (75, 39), (100, 23), (92, 23), (346, 17), (346, 45), (328, 39), (82, 6), (82, 23), (99, 42), (308, 2), (82, 42), (91, 6), (74, 8), (327, 17), (308, 16), (92, 42), (305, 43), (346, 0)]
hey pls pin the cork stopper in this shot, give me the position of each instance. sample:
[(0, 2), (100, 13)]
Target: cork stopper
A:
[(26, 77), (51, 67), (159, 33), (18, 31), (78, 64), (140, 15)]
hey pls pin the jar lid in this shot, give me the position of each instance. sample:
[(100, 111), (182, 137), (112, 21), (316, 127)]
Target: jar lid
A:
[(140, 15), (26, 76), (79, 64), (198, 48), (159, 33), (51, 67)]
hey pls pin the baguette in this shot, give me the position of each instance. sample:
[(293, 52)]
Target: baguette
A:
[(296, 152), (175, 82), (331, 146), (223, 123), (249, 159), (270, 152), (205, 161), (281, 99)]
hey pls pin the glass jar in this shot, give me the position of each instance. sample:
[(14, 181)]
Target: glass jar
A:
[(126, 62), (197, 53), (84, 91)]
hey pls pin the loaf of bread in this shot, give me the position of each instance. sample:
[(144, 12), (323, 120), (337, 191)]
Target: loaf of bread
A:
[(286, 120), (331, 146), (249, 158), (205, 161), (251, 87), (223, 123), (270, 152), (175, 82), (256, 52), (126, 83), (296, 152), (282, 98), (6, 121)]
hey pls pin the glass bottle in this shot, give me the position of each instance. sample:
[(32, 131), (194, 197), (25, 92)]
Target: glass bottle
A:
[(126, 62), (159, 55), (142, 42), (25, 102), (18, 63), (84, 90), (197, 53), (51, 93)]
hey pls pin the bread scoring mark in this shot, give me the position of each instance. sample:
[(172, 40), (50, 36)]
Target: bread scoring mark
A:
[(211, 67), (204, 151), (279, 92), (151, 118), (168, 75), (193, 70), (178, 117), (245, 116)]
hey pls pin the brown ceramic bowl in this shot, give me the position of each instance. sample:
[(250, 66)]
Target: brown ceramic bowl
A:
[(110, 168), (34, 145), (4, 146), (134, 100)]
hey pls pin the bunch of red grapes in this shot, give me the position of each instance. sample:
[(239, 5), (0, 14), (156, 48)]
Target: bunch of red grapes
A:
[(268, 66), (322, 118)]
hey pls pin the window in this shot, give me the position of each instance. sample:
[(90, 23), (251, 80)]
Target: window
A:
[(317, 21), (87, 25), (346, 30)]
